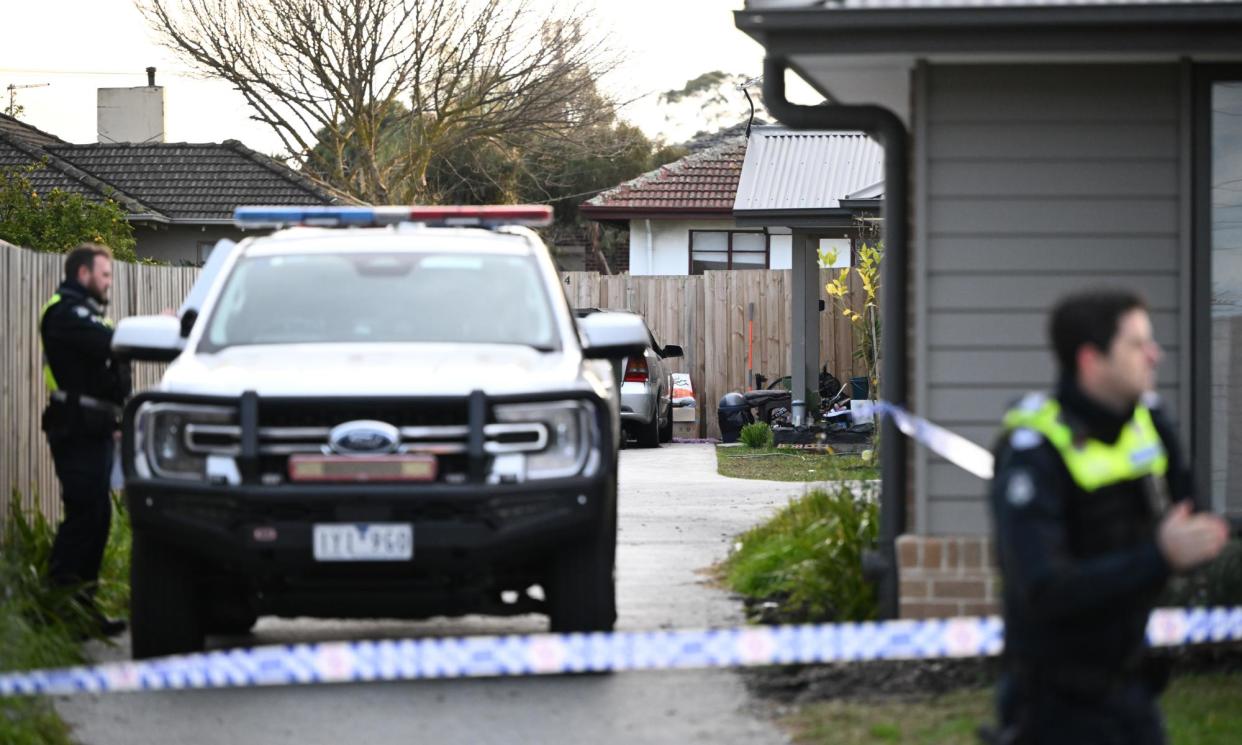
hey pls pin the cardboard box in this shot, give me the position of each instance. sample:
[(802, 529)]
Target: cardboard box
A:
[(686, 430)]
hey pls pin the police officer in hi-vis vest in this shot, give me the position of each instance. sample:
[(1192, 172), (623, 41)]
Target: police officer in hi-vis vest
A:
[(1094, 508), (87, 388)]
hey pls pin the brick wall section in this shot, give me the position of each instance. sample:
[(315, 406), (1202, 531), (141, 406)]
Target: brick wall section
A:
[(947, 576)]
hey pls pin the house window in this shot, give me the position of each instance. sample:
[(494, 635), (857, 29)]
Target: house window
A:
[(1222, 190), (711, 250), (202, 250)]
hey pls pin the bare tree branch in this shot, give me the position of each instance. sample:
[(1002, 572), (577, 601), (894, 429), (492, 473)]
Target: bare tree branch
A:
[(364, 94)]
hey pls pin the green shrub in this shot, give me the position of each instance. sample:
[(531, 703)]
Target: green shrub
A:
[(757, 435), (113, 594), (41, 625), (1216, 584), (809, 557), (55, 220)]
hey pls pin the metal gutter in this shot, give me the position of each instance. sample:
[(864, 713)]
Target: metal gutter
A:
[(801, 218), (1052, 17), (203, 221), (887, 129), (1015, 33), (623, 212)]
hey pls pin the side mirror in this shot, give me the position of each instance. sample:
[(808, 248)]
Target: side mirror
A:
[(188, 317), (672, 350), (613, 335), (149, 338)]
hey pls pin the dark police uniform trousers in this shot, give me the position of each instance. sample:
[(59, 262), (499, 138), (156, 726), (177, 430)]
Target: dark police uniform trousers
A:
[(87, 388), (1077, 498)]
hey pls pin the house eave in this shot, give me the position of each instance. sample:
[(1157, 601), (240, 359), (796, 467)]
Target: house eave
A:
[(797, 218), (147, 217), (211, 221), (1182, 29), (614, 214)]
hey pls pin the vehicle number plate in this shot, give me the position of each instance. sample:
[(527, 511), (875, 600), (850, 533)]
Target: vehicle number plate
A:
[(364, 541)]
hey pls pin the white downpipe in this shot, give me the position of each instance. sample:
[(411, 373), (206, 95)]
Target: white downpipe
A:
[(650, 249)]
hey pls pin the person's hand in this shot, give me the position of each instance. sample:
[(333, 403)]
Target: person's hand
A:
[(1188, 540), (168, 312)]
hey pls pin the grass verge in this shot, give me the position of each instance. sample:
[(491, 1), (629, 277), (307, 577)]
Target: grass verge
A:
[(783, 464), (1198, 709), (808, 558), (41, 626)]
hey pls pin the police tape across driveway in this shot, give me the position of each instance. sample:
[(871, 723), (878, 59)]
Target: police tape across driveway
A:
[(553, 654)]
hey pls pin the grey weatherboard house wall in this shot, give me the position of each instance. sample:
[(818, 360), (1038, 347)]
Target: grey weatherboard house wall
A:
[(1053, 146), (1038, 180)]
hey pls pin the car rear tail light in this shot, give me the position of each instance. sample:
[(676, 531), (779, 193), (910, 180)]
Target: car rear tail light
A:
[(636, 370)]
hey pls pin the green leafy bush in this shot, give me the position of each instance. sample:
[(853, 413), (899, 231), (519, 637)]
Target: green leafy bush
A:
[(757, 435), (1216, 584), (809, 558), (56, 221), (41, 625)]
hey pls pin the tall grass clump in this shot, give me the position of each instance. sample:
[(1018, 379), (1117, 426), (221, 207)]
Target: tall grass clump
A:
[(808, 558), (42, 625)]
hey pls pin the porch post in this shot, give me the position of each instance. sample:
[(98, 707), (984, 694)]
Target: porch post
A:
[(804, 326)]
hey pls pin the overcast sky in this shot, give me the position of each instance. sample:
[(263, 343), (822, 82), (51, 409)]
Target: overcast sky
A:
[(80, 45)]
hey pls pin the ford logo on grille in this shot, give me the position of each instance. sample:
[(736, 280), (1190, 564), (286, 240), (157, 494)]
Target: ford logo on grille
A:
[(364, 438)]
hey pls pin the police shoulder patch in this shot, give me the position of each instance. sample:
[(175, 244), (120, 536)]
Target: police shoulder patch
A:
[(1032, 402), (1019, 488), (1025, 438)]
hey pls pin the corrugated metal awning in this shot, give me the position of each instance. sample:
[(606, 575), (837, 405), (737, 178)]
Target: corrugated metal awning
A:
[(787, 170)]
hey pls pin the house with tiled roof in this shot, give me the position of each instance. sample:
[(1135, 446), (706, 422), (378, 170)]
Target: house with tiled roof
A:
[(179, 197), (738, 203)]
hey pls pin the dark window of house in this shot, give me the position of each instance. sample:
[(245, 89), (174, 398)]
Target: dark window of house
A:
[(202, 250), (711, 250), (1225, 226)]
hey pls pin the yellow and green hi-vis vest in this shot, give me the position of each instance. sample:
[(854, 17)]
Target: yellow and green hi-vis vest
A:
[(48, 378), (1137, 453)]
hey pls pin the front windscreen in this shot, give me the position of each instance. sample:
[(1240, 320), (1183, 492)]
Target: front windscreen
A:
[(377, 298)]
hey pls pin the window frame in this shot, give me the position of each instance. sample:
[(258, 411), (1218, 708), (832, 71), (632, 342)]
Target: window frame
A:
[(729, 232), (1203, 77)]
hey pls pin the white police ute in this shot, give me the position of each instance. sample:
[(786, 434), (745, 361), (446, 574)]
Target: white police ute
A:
[(374, 412)]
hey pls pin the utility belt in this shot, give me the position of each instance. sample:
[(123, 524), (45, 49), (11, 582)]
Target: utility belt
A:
[(70, 413)]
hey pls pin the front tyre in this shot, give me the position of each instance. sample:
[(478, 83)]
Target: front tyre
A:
[(165, 617), (582, 592)]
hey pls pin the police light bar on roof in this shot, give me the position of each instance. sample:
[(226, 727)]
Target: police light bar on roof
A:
[(482, 216)]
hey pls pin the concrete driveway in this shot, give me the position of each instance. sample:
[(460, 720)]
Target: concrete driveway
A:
[(677, 517)]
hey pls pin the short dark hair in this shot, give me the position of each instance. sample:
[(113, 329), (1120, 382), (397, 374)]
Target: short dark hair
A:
[(84, 256), (1090, 317)]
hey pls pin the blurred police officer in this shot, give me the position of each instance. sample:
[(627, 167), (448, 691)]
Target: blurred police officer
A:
[(87, 389), (1085, 533)]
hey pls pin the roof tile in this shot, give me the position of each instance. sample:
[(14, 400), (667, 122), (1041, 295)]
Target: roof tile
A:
[(704, 180), (180, 181)]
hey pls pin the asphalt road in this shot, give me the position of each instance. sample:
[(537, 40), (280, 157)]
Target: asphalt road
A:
[(677, 517)]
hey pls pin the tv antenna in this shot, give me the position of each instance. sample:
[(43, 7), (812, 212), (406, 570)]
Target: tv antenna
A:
[(13, 109)]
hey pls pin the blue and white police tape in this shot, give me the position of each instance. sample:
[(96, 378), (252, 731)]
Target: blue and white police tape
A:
[(947, 444), (552, 654)]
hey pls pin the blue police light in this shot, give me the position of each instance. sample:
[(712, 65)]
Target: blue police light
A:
[(484, 215)]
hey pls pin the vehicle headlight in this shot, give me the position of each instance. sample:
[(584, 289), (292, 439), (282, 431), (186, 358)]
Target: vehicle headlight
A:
[(571, 435), (163, 444)]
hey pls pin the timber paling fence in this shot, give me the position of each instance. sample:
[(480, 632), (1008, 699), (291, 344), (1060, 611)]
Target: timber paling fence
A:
[(708, 315)]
